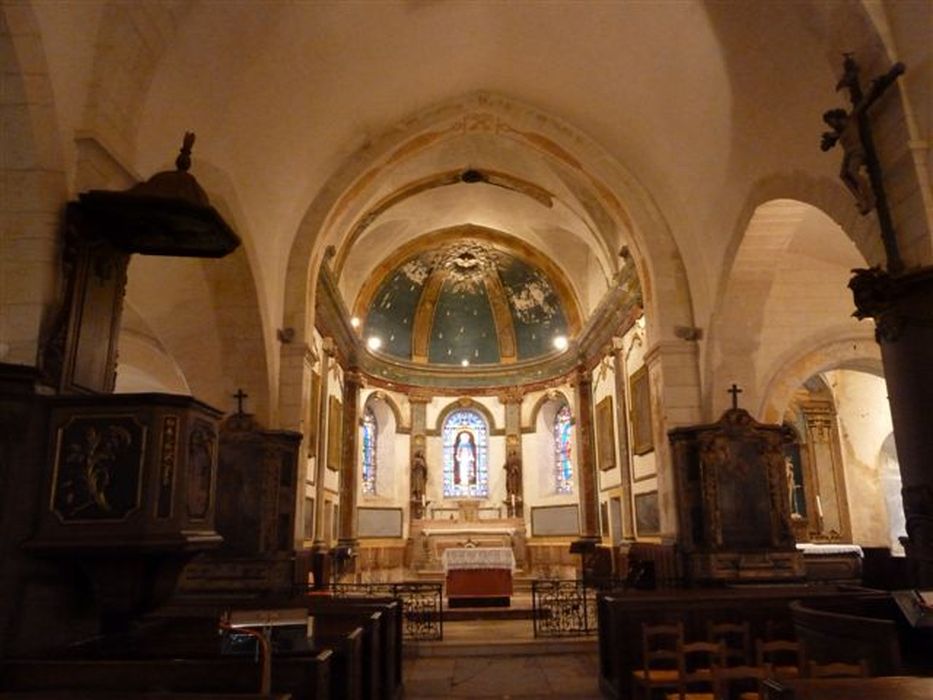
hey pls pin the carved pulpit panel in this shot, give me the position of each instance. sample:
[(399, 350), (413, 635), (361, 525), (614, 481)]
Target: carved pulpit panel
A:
[(734, 518)]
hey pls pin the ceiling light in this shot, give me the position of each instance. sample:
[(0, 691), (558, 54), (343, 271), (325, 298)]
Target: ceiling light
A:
[(464, 363), (560, 342), (374, 342), (355, 322)]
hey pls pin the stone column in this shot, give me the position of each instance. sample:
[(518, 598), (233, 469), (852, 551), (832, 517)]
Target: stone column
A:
[(903, 311), (515, 482), (622, 437), (349, 472), (319, 563), (419, 415), (586, 460)]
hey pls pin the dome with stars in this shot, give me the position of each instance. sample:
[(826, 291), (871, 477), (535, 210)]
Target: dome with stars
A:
[(468, 302)]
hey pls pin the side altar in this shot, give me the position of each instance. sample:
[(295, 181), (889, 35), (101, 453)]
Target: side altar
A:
[(732, 505)]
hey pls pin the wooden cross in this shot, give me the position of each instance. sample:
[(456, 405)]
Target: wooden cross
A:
[(735, 391), (239, 396)]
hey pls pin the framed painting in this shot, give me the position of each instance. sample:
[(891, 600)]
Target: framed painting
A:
[(314, 411), (640, 412), (647, 514), (334, 433), (605, 435)]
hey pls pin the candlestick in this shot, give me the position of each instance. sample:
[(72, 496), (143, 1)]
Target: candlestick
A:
[(424, 500), (819, 507), (512, 496)]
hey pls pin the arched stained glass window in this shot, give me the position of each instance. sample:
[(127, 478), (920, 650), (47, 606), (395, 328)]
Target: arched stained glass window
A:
[(465, 447), (563, 467), (369, 452)]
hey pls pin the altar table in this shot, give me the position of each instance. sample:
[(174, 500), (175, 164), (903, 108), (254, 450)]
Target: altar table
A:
[(478, 576)]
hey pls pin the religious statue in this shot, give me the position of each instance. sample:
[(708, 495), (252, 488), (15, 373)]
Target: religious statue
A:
[(791, 486), (464, 459), (419, 475), (513, 474), (845, 131)]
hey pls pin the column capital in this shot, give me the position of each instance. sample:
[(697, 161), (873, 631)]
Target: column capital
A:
[(513, 394), (420, 396)]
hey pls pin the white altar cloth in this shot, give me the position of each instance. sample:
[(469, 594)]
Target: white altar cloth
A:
[(827, 549), (459, 558)]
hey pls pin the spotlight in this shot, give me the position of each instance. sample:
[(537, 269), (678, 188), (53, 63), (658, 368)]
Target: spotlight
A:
[(464, 363), (560, 342), (355, 322), (374, 342)]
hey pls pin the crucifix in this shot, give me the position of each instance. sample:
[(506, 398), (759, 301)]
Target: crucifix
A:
[(852, 131), (735, 391), (239, 396)]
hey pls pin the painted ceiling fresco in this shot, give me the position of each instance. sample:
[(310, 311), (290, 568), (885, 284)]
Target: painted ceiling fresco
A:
[(466, 302)]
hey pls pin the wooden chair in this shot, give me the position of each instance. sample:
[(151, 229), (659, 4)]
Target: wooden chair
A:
[(697, 661), (662, 660), (839, 670), (725, 679), (737, 638), (778, 654)]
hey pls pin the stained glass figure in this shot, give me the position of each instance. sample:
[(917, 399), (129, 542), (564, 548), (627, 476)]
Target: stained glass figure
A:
[(563, 467), (369, 452), (465, 437)]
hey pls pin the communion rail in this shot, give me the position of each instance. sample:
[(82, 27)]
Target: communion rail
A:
[(567, 608), (422, 604)]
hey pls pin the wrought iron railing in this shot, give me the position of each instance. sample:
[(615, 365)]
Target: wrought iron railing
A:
[(422, 604), (567, 608)]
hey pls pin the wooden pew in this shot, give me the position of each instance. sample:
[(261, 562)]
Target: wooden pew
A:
[(388, 684), (299, 678)]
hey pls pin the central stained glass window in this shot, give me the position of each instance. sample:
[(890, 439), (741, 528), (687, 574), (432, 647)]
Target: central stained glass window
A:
[(465, 435)]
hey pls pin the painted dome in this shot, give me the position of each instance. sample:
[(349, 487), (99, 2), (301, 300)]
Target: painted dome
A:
[(469, 302)]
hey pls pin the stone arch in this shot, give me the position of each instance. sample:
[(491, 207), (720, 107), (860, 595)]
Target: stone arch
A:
[(752, 275), (542, 401), (653, 249), (34, 188), (851, 352), (466, 404), (393, 407)]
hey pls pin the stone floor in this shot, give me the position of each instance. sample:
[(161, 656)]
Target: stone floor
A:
[(501, 659)]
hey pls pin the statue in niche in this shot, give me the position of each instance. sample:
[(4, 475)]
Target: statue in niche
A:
[(513, 474), (419, 475), (465, 459)]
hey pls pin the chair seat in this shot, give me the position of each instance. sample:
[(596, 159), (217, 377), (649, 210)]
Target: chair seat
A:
[(657, 674), (692, 696), (786, 671), (750, 695)]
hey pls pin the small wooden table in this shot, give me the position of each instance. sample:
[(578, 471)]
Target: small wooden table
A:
[(479, 576)]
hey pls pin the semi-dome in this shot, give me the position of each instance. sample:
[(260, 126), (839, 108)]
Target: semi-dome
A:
[(468, 301)]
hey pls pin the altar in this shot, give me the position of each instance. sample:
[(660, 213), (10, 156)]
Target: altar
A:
[(478, 576)]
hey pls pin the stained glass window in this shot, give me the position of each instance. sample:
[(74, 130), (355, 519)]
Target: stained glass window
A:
[(465, 447), (563, 467), (369, 452)]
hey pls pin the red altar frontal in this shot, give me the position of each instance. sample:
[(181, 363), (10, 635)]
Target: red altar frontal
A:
[(479, 576)]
